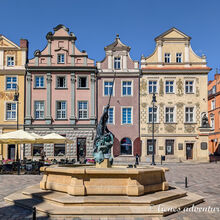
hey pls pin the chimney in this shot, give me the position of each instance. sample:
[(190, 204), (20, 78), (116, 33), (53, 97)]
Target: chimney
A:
[(23, 43)]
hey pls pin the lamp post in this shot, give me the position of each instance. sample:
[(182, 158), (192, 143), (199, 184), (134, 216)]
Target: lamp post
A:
[(16, 99), (153, 102)]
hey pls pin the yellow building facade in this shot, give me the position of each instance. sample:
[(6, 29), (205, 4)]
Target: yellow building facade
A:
[(179, 79), (12, 77)]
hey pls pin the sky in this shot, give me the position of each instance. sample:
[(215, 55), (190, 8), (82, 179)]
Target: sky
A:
[(96, 23)]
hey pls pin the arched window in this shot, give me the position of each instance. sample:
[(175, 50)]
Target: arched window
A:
[(126, 146)]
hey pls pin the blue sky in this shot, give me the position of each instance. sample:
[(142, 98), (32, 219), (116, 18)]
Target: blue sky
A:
[(96, 22)]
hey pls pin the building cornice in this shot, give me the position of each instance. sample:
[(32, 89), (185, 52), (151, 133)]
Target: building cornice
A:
[(13, 72), (60, 126), (63, 69), (177, 71)]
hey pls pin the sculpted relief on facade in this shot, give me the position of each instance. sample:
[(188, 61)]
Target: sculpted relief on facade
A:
[(179, 87)]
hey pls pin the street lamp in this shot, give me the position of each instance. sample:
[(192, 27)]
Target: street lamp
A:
[(153, 102), (16, 99)]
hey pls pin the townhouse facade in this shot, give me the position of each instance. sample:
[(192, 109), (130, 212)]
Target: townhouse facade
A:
[(61, 97), (118, 71), (12, 73), (178, 77), (214, 115)]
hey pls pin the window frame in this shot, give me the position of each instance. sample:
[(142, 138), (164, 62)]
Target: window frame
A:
[(167, 57), (60, 76), (213, 104), (11, 119), (179, 57), (113, 92), (61, 110), (78, 110), (35, 81), (126, 107), (212, 122), (172, 147), (7, 60), (78, 81), (11, 76), (111, 107), (35, 101), (59, 62), (189, 122), (120, 62), (174, 115), (148, 83), (157, 114), (169, 80), (193, 86), (155, 146), (126, 87)]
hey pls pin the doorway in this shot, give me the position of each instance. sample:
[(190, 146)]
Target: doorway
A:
[(11, 151), (81, 149), (189, 151)]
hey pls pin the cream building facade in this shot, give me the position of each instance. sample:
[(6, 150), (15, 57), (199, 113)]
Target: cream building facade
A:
[(12, 77), (179, 79)]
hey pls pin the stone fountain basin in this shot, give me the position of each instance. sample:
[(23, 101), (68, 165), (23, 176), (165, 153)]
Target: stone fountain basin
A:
[(117, 180)]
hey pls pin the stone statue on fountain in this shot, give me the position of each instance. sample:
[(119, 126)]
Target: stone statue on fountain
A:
[(104, 140)]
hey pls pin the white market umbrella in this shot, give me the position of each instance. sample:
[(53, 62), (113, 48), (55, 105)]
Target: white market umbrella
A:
[(54, 138), (17, 137)]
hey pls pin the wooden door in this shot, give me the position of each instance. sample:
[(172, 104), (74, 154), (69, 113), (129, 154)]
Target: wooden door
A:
[(189, 151)]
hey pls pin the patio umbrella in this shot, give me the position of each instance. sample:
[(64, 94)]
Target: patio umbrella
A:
[(54, 138), (17, 137)]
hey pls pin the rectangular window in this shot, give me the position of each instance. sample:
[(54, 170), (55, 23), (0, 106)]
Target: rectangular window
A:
[(39, 109), (59, 150), (117, 63), (152, 86), (126, 116), (150, 147), (39, 81), (61, 82), (60, 58), (110, 116), (169, 112), (82, 82), (11, 110), (61, 110), (37, 149), (212, 120), (213, 89), (213, 105), (10, 61), (169, 86), (189, 114), (11, 83), (83, 110), (169, 147), (108, 88), (189, 86), (126, 88), (167, 57), (179, 57), (150, 114)]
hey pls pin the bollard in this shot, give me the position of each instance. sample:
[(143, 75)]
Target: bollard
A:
[(186, 182), (34, 213)]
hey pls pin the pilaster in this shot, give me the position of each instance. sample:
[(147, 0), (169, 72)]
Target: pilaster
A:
[(160, 51), (72, 116), (92, 115), (1, 58), (73, 53), (48, 114), (49, 53), (28, 99), (187, 53)]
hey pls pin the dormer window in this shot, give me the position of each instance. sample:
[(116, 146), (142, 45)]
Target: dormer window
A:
[(117, 63), (10, 61), (60, 58), (167, 57), (179, 57)]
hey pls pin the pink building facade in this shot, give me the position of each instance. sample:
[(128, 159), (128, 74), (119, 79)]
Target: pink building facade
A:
[(61, 97), (123, 119)]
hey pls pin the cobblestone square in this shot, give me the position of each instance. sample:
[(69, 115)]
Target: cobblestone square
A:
[(203, 179)]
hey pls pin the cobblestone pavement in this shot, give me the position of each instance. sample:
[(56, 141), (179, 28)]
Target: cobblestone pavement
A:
[(203, 179)]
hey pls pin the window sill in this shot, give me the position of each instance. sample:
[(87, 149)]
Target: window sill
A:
[(170, 123), (126, 155), (61, 88), (83, 119), (14, 120), (39, 119), (188, 93), (127, 96), (83, 88), (152, 122), (127, 124), (39, 88), (189, 123), (60, 63), (170, 93), (61, 119)]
